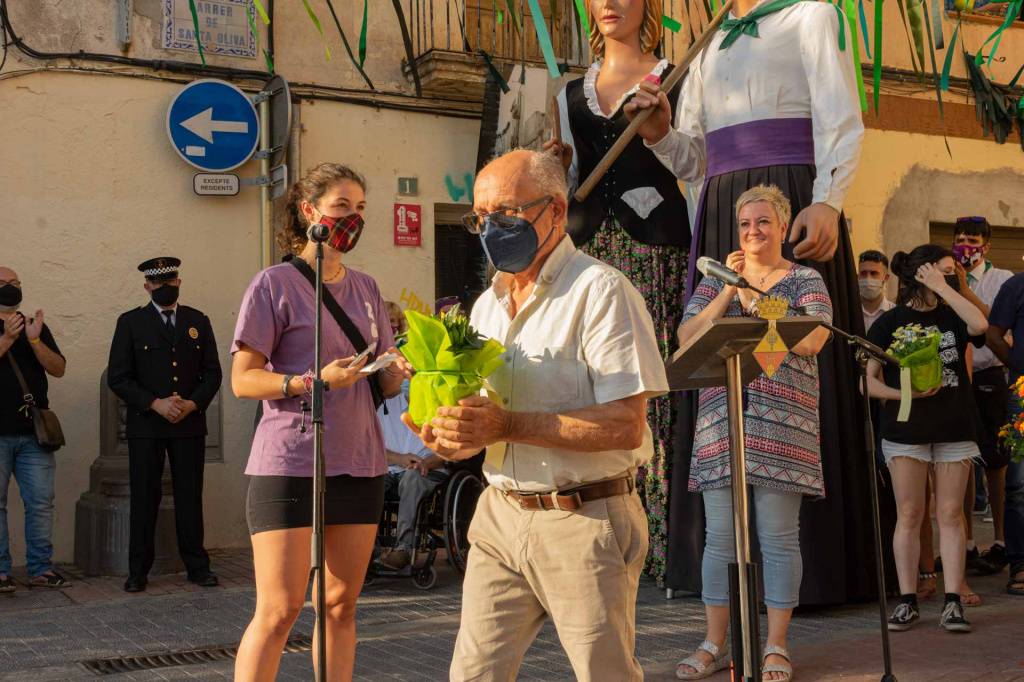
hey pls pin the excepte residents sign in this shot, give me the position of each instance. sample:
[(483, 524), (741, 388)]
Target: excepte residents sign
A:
[(223, 27), (215, 184)]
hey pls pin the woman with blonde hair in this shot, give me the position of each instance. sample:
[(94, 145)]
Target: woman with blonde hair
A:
[(781, 435), (636, 218)]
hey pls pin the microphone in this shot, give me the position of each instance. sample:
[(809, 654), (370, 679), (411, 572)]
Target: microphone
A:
[(318, 233), (709, 267)]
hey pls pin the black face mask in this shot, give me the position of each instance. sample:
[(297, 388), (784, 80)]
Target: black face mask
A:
[(165, 296), (953, 281), (10, 295)]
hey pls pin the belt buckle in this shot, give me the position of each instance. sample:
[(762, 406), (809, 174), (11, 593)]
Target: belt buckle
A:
[(534, 503)]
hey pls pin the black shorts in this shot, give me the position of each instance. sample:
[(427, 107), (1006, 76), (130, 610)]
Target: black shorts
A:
[(992, 395), (279, 502)]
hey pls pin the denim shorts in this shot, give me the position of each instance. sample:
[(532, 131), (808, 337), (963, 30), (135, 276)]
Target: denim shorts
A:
[(933, 453)]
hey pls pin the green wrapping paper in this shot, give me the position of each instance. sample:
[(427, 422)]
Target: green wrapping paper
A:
[(920, 366), (443, 377)]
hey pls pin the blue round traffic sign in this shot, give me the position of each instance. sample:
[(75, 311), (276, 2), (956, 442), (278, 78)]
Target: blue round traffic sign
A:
[(213, 125)]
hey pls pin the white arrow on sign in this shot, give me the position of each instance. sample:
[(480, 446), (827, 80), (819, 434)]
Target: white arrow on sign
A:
[(203, 125)]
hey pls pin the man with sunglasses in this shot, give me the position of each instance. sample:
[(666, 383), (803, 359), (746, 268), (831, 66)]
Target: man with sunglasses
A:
[(971, 244), (560, 531), (28, 344)]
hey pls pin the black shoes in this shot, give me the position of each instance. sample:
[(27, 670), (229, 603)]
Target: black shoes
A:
[(904, 617), (203, 579), (135, 583), (952, 619), (993, 560)]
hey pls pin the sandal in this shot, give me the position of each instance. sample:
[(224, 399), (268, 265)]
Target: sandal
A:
[(52, 579), (926, 590), (719, 660), (7, 584), (1016, 584), (776, 668), (970, 599)]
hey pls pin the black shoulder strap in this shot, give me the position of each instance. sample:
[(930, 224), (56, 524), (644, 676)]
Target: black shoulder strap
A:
[(336, 311)]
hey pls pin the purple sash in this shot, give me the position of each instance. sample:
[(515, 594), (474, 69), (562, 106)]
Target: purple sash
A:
[(756, 144)]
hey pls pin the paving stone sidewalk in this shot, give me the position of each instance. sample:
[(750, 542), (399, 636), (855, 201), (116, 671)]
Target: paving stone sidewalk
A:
[(407, 634)]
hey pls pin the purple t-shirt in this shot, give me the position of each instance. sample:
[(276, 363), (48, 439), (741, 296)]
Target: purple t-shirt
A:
[(276, 319)]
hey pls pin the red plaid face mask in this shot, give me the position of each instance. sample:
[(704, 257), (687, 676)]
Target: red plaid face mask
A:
[(344, 231)]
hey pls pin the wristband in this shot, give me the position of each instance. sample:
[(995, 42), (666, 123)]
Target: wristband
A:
[(33, 340), (307, 382), (284, 385)]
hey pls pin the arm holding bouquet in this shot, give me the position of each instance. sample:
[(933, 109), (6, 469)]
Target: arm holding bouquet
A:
[(462, 432)]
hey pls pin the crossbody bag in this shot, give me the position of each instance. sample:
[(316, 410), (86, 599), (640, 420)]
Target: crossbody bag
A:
[(347, 326), (44, 422)]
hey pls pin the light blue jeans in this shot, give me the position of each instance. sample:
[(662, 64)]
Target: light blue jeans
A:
[(33, 468), (778, 530)]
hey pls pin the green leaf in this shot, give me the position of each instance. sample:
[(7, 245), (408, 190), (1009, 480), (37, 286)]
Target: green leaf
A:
[(252, 25), (362, 38), (348, 48), (263, 12)]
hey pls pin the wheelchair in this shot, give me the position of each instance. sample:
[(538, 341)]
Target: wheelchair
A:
[(442, 522)]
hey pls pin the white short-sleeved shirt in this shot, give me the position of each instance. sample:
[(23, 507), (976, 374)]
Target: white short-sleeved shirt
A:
[(985, 281), (583, 338), (397, 436)]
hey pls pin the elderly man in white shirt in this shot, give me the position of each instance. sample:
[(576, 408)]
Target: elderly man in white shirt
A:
[(560, 531)]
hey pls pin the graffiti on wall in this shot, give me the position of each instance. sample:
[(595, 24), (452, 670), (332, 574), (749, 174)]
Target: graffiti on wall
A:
[(410, 301), (459, 189)]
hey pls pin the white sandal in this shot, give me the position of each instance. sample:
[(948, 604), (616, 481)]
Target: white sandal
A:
[(720, 660), (787, 669)]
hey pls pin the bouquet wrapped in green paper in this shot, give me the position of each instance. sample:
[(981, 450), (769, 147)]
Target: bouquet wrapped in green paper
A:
[(451, 361), (917, 349)]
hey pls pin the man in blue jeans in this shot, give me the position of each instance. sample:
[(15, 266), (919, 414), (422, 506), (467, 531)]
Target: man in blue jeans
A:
[(28, 343), (1008, 315)]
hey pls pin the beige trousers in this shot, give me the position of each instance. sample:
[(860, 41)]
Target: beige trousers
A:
[(582, 568)]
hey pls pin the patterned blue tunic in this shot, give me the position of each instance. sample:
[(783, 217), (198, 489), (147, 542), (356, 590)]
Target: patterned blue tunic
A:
[(780, 414)]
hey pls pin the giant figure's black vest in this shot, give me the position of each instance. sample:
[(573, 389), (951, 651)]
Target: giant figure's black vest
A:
[(637, 166)]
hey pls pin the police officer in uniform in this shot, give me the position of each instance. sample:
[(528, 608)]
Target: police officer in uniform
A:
[(164, 365)]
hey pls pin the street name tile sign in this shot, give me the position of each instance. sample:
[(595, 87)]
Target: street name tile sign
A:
[(223, 27), (213, 125)]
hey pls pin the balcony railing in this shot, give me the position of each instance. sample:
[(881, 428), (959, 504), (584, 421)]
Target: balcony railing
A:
[(468, 26)]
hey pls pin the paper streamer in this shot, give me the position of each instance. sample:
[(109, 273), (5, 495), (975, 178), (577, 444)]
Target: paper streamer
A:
[(581, 10), (545, 40), (937, 23), (950, 49), (851, 17), (670, 23), (864, 28), (263, 12), (362, 43), (1011, 15), (319, 28), (195, 23), (255, 32), (877, 67), (906, 395)]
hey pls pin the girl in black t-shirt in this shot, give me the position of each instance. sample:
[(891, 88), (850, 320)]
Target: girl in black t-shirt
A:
[(942, 428)]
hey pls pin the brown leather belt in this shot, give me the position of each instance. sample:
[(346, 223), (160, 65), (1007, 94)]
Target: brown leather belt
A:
[(571, 499)]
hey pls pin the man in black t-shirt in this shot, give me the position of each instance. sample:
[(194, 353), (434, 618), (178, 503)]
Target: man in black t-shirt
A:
[(28, 343)]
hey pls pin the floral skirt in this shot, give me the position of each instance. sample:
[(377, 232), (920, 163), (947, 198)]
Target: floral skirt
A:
[(659, 274)]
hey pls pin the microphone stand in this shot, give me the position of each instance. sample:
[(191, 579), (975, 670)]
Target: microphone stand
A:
[(319, 481), (863, 351)]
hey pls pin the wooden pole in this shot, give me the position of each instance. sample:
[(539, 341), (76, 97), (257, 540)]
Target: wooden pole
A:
[(677, 73), (556, 125)]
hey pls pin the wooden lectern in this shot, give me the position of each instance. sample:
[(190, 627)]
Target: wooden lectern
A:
[(721, 354)]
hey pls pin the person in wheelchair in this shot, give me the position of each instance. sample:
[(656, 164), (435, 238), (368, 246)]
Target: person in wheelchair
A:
[(414, 471)]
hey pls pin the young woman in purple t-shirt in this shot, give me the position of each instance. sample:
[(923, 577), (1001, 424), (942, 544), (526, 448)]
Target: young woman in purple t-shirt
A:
[(273, 362)]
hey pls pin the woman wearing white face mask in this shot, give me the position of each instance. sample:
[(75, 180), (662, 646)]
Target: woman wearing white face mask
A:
[(872, 275)]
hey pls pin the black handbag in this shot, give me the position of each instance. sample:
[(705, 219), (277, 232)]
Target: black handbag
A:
[(347, 326), (44, 422)]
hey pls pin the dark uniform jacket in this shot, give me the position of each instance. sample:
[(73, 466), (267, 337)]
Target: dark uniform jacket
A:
[(146, 364)]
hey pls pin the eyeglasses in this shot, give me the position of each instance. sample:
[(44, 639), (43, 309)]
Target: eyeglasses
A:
[(504, 218), (15, 282), (972, 219)]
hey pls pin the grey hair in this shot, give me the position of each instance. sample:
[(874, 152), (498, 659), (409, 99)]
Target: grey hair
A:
[(546, 171), (770, 193)]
